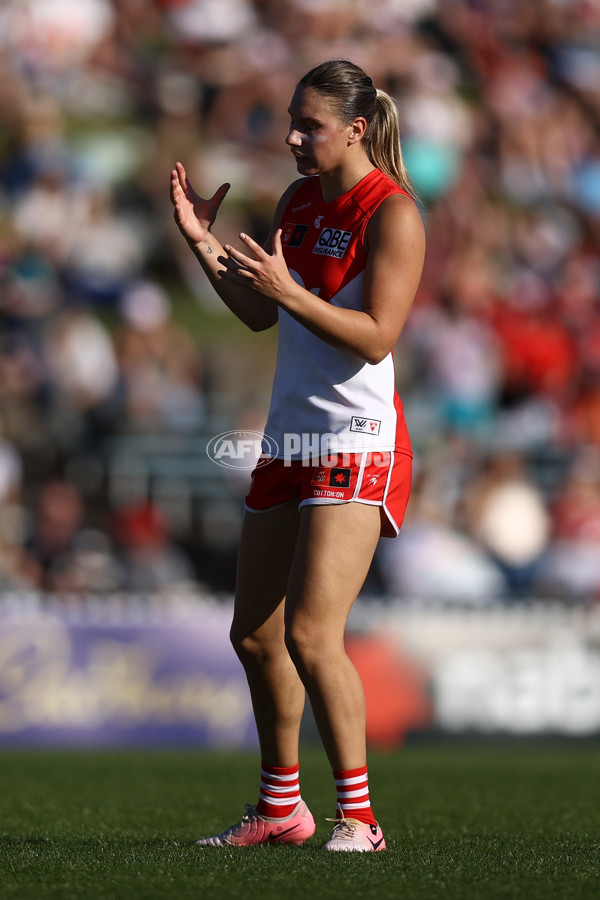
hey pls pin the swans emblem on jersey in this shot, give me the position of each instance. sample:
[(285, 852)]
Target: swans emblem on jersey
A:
[(332, 242), (318, 221)]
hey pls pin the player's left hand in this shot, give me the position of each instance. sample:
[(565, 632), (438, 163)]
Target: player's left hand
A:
[(267, 274)]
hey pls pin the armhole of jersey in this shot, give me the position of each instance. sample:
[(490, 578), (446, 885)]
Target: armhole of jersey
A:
[(299, 185), (363, 230)]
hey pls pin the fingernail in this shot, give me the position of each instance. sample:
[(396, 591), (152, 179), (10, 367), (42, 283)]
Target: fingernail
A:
[(243, 236)]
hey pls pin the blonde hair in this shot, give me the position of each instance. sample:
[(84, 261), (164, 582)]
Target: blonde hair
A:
[(351, 93)]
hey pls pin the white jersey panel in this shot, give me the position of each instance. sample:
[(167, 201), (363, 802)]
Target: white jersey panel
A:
[(319, 389)]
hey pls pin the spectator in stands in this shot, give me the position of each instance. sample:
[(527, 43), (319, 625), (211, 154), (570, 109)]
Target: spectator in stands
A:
[(58, 520), (573, 565), (150, 562), (506, 514), (161, 367), (12, 516), (81, 360)]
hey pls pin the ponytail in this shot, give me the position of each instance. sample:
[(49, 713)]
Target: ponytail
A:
[(382, 143), (351, 93)]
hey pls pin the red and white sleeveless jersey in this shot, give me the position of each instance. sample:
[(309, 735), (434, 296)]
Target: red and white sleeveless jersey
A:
[(323, 395)]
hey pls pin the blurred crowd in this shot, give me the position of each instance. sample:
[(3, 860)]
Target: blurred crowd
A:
[(499, 364)]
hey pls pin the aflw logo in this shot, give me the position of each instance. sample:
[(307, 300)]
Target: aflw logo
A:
[(365, 426)]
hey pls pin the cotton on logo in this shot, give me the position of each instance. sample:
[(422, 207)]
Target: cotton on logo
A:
[(241, 449)]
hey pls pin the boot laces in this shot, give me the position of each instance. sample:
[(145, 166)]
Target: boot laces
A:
[(248, 816), (344, 829)]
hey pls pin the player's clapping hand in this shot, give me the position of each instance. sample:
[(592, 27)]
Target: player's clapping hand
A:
[(193, 214), (265, 273)]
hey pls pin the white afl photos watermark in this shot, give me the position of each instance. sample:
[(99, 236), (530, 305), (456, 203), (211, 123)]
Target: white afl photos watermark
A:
[(241, 449)]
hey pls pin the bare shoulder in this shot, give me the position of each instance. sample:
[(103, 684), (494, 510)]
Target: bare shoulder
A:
[(396, 218)]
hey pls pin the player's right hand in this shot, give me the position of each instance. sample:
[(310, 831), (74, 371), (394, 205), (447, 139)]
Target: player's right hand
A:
[(193, 214)]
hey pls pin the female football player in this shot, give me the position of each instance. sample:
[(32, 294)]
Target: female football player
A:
[(338, 273)]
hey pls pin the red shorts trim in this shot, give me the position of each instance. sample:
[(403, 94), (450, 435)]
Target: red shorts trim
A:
[(381, 479)]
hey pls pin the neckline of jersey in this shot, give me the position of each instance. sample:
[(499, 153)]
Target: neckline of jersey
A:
[(361, 181)]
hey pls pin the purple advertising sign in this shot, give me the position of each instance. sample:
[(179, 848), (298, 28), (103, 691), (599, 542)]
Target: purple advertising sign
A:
[(116, 672)]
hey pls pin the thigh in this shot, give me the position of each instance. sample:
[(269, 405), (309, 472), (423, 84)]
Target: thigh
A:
[(266, 549), (334, 550)]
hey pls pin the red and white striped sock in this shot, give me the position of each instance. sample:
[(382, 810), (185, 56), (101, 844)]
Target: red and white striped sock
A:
[(279, 790), (353, 795)]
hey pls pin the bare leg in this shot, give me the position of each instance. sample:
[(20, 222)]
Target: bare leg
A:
[(334, 550), (258, 631)]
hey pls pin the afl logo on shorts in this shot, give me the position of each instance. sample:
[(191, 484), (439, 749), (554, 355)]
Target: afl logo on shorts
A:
[(332, 242), (241, 449)]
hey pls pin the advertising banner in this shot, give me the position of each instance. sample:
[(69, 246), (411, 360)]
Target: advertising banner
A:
[(128, 670), (120, 672)]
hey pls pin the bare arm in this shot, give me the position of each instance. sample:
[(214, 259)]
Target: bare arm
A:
[(396, 247), (194, 217)]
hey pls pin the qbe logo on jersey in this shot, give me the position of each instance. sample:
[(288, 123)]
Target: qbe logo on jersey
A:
[(332, 242)]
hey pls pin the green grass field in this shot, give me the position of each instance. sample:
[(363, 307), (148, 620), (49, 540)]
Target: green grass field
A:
[(461, 822)]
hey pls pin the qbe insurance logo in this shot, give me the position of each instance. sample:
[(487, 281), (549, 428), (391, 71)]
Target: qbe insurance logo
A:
[(241, 449)]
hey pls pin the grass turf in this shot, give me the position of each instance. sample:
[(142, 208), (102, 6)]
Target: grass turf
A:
[(461, 822)]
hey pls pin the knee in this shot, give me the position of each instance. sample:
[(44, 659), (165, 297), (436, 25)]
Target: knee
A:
[(305, 648), (245, 644), (253, 647)]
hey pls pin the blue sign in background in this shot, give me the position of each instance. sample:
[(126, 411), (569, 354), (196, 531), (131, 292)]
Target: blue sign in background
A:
[(126, 673)]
